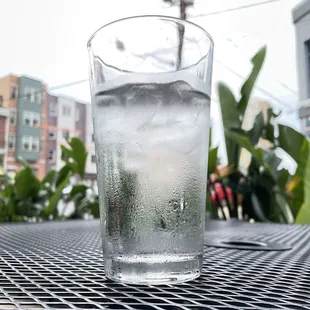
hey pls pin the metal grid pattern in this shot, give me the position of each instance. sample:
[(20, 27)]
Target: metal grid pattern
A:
[(60, 266)]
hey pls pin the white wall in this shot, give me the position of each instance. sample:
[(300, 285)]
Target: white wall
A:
[(90, 167)]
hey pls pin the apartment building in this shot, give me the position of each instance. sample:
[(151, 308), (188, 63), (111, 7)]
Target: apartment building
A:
[(34, 125), (4, 122), (23, 101), (68, 118), (301, 19)]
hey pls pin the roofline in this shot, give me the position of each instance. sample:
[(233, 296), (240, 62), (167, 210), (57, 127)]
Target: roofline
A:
[(73, 99), (300, 11)]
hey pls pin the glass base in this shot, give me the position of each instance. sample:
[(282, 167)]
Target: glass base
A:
[(153, 269)]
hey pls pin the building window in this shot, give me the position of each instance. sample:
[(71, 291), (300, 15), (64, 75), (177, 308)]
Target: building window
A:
[(66, 134), (52, 134), (38, 97), (93, 137), (66, 110), (27, 91), (31, 144), (13, 91), (93, 158), (11, 142), (1, 101), (308, 121), (27, 118), (51, 156), (13, 117), (35, 119), (52, 109), (31, 94), (35, 144), (26, 140), (31, 119)]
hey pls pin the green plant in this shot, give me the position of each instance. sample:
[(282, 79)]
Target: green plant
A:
[(269, 193), (25, 196)]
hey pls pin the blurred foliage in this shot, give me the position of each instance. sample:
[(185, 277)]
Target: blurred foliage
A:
[(269, 193), (24, 197)]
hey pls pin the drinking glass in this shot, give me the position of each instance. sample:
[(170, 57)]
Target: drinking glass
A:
[(150, 81)]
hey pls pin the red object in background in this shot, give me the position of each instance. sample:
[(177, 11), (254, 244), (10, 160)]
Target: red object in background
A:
[(230, 196), (219, 191), (213, 197)]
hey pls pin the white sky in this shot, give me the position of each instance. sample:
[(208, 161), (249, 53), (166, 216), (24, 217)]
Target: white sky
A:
[(47, 39)]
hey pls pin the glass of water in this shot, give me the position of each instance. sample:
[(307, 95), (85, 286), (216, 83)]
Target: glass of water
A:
[(150, 81)]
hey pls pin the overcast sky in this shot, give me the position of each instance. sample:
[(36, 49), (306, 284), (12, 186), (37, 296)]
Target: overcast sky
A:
[(47, 39)]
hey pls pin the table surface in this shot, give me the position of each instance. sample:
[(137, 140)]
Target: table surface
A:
[(59, 266)]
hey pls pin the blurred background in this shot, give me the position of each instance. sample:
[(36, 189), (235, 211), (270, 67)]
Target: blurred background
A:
[(44, 88)]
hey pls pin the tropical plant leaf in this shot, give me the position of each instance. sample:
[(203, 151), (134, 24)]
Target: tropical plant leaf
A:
[(255, 133), (62, 174), (49, 178), (291, 141), (212, 160), (244, 142), (231, 120), (258, 208), (282, 178), (26, 183), (284, 208), (79, 155), (51, 209), (230, 114), (303, 216), (247, 87)]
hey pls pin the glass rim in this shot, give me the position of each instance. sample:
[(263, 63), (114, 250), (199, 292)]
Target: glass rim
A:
[(152, 17)]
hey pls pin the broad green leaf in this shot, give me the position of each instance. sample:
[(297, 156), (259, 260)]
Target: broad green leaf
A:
[(212, 160), (62, 174), (284, 208), (231, 120), (258, 208), (290, 141), (230, 114), (49, 178), (272, 161), (66, 151), (303, 216), (282, 179), (269, 133), (210, 138), (78, 189), (256, 132), (26, 184), (244, 142), (297, 198), (79, 154), (51, 209), (247, 87), (303, 158)]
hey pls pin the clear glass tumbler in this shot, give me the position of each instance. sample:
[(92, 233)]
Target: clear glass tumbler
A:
[(150, 81)]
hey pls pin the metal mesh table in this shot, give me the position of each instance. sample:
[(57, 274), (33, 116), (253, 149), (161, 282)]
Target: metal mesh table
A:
[(60, 266)]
